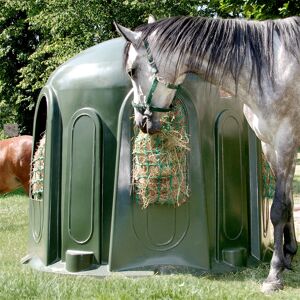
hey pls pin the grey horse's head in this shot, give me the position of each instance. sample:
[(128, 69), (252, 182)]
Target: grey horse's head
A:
[(153, 90)]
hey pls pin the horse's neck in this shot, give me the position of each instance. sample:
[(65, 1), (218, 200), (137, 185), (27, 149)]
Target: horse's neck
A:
[(246, 88), (227, 83)]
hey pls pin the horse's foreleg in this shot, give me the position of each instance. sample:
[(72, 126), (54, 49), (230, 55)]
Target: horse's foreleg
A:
[(290, 243), (285, 244), (279, 212)]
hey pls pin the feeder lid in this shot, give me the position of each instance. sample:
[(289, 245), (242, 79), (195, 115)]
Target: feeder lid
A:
[(96, 67)]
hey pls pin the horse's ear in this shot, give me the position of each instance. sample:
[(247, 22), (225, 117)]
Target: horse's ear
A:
[(151, 19), (129, 35)]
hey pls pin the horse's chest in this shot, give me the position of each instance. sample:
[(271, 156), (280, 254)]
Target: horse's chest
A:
[(274, 129), (258, 124)]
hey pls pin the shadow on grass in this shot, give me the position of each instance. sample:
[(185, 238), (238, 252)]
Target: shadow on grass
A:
[(17, 192), (258, 274)]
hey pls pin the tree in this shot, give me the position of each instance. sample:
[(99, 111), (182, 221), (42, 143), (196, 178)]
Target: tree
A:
[(17, 43), (254, 9), (36, 36)]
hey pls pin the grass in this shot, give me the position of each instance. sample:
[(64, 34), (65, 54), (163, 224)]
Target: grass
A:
[(20, 282)]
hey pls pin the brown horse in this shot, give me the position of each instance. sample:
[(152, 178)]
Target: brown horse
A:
[(15, 158)]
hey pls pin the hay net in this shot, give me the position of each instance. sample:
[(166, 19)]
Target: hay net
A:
[(268, 179), (160, 161), (37, 171)]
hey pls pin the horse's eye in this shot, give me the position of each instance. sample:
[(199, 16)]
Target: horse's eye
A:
[(131, 73)]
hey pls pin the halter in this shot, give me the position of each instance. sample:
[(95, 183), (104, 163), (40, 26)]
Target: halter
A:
[(147, 106)]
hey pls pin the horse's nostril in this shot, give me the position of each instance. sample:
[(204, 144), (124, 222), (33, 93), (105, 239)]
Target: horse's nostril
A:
[(151, 127), (147, 125), (153, 130), (142, 125)]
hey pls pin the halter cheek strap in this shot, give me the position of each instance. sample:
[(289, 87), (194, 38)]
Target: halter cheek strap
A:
[(147, 106)]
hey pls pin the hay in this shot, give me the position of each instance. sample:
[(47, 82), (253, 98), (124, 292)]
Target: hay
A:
[(37, 175), (159, 171)]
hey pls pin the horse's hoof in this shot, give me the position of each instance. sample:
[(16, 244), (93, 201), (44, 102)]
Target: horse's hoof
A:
[(269, 287)]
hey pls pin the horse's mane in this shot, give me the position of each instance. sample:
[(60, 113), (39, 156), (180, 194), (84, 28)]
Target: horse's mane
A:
[(225, 42)]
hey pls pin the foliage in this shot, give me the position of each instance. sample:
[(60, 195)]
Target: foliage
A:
[(2, 135), (36, 36), (17, 42), (254, 9)]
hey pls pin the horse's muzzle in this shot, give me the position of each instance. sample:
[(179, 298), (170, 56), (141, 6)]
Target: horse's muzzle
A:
[(148, 126)]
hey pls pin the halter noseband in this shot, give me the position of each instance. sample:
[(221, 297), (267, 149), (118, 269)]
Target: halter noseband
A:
[(147, 106)]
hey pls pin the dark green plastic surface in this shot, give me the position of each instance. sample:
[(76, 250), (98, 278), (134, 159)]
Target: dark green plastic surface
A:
[(44, 215), (219, 227), (87, 219), (160, 234)]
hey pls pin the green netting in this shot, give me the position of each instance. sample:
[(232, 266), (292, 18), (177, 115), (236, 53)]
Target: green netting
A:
[(159, 171), (37, 175), (268, 180)]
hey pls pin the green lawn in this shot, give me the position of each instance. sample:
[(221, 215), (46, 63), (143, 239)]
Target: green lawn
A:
[(21, 282)]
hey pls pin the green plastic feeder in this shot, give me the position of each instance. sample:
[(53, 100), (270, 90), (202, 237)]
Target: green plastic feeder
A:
[(86, 221)]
